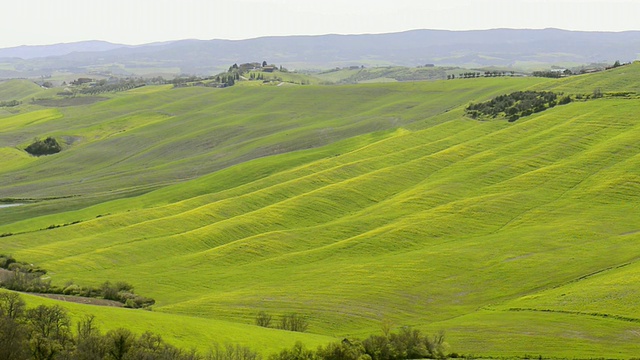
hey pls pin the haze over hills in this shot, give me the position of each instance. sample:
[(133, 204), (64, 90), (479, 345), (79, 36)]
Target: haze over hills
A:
[(499, 47), (39, 51)]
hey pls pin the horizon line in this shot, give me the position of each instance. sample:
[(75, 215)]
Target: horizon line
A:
[(160, 42)]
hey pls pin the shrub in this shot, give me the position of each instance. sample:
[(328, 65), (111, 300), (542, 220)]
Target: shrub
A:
[(297, 352), (109, 291), (6, 260), (263, 319), (408, 343), (138, 302), (565, 100), (597, 93), (231, 352), (72, 289), (294, 322), (344, 350)]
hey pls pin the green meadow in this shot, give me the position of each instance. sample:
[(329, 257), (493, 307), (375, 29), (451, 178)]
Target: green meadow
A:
[(354, 205)]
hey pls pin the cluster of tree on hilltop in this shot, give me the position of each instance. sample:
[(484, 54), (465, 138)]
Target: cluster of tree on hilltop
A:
[(559, 73), (554, 74), (115, 85), (236, 72), (475, 74), (515, 105)]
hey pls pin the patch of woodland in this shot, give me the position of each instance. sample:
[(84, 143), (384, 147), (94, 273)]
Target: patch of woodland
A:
[(47, 146), (516, 105)]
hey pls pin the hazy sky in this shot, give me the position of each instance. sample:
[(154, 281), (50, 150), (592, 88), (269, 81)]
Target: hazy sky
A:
[(34, 22)]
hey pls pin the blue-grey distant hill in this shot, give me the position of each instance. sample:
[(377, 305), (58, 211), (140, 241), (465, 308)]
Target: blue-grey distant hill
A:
[(499, 47), (38, 51)]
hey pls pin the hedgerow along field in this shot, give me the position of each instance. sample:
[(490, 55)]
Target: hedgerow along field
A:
[(507, 236)]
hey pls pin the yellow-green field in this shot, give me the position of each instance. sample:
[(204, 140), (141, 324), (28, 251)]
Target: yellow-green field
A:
[(352, 205)]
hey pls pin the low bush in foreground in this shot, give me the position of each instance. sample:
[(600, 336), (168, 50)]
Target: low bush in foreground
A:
[(46, 332), (407, 343)]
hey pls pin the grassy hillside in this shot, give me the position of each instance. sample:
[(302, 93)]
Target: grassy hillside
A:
[(154, 136), (18, 90), (514, 238)]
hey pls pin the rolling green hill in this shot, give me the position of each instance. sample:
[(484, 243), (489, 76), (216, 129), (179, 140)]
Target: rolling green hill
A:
[(18, 90), (514, 238)]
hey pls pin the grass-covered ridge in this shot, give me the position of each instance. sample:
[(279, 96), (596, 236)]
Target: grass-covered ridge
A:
[(505, 235), (18, 90)]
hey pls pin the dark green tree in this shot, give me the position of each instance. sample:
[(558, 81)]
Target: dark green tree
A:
[(297, 352), (13, 337), (48, 331), (294, 322), (47, 146), (90, 344), (263, 319), (119, 342)]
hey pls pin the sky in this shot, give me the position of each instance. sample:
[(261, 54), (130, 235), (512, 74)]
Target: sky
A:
[(40, 22)]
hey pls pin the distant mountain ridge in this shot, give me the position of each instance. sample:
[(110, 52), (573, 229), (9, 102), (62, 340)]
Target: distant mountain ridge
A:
[(498, 47), (37, 51)]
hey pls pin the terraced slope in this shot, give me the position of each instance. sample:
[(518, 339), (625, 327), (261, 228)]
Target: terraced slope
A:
[(515, 238)]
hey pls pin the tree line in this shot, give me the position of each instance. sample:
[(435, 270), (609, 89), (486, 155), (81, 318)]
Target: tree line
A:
[(475, 74), (552, 74), (406, 343), (10, 103), (118, 85), (25, 277), (289, 322), (46, 333)]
